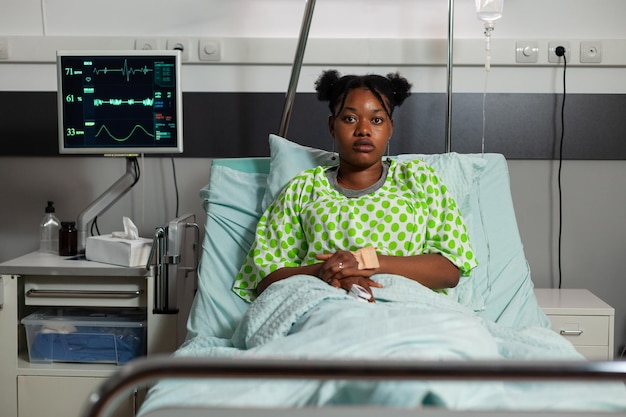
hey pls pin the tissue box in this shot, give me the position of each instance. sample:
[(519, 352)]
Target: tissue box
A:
[(117, 251)]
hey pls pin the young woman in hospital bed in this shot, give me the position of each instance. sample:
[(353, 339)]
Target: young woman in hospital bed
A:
[(365, 216)]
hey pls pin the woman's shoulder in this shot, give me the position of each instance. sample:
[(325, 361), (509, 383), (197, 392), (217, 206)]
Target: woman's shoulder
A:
[(308, 176), (417, 171), (413, 166), (310, 173)]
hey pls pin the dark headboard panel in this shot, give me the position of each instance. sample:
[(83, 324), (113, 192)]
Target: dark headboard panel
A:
[(520, 126)]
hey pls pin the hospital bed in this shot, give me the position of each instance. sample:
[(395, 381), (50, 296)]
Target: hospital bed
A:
[(476, 348), (304, 348)]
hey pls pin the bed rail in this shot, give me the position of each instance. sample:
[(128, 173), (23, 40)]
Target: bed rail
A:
[(145, 370), (168, 245)]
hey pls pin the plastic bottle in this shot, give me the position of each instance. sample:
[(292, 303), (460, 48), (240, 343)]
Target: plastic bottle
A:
[(49, 231)]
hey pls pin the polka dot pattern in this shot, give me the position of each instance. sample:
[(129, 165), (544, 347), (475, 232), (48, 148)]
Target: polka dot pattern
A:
[(412, 213)]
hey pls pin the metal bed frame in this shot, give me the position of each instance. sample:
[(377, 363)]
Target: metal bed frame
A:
[(146, 370)]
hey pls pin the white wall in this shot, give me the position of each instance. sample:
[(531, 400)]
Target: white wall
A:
[(593, 191)]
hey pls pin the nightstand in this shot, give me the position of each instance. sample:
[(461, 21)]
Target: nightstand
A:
[(36, 281), (582, 318)]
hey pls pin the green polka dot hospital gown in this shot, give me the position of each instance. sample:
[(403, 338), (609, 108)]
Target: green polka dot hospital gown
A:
[(408, 212)]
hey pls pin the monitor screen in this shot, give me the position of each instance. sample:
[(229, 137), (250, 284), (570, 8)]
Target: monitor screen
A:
[(119, 102)]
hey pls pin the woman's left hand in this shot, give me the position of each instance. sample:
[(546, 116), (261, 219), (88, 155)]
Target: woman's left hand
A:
[(341, 270)]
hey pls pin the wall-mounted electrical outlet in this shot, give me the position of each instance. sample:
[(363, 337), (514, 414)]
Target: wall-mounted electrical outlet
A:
[(591, 52), (210, 49), (147, 44), (181, 44), (553, 57), (526, 52)]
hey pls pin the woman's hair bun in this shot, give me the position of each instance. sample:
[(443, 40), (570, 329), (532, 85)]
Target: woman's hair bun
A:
[(325, 83), (400, 86)]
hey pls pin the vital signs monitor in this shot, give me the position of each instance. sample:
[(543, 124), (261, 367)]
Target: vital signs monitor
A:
[(120, 102)]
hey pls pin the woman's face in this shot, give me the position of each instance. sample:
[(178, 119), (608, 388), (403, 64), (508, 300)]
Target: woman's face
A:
[(361, 129)]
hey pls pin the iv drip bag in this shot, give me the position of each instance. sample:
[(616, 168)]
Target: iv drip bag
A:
[(489, 10)]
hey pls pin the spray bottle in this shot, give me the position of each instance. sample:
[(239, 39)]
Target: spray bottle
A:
[(49, 231)]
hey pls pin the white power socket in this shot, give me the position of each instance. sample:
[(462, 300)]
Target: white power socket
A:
[(526, 51), (181, 44), (147, 44), (591, 52), (553, 57), (210, 49)]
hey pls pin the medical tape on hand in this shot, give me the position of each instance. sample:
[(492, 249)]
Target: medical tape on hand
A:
[(366, 257)]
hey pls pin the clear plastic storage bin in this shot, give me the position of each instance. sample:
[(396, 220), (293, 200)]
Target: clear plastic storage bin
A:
[(88, 336)]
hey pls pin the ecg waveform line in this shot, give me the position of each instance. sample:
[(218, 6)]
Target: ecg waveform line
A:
[(125, 70), (118, 102), (125, 138)]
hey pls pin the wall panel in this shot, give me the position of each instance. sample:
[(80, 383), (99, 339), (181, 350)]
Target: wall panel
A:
[(520, 126)]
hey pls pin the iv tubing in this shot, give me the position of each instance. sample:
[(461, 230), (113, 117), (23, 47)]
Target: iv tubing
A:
[(489, 26)]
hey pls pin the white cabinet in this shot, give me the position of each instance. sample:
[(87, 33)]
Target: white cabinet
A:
[(36, 281), (582, 318), (48, 395)]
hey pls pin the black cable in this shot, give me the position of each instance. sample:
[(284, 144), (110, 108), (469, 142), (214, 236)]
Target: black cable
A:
[(94, 225), (560, 51), (137, 173), (175, 184)]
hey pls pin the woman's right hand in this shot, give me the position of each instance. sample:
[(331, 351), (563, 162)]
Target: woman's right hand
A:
[(341, 270)]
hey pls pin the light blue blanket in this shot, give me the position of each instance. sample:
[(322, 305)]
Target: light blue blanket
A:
[(302, 317), (408, 320)]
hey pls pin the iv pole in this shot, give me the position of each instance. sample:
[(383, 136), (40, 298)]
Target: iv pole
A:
[(449, 74), (297, 65)]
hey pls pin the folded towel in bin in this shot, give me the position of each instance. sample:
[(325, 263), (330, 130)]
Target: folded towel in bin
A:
[(87, 345)]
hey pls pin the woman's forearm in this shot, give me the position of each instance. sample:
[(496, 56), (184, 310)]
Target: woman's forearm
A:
[(286, 272), (431, 270)]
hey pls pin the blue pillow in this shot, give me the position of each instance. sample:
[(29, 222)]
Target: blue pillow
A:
[(232, 201)]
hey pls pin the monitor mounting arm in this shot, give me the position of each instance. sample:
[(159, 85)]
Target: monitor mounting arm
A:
[(106, 200)]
